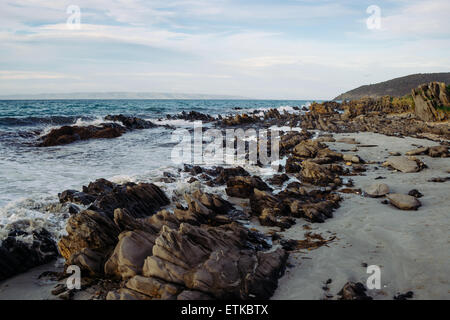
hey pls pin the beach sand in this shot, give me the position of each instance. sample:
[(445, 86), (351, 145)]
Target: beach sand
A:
[(411, 247)]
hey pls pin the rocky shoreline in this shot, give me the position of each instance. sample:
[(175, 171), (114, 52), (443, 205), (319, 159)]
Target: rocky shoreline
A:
[(133, 241)]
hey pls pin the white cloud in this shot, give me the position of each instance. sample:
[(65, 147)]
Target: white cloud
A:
[(30, 75)]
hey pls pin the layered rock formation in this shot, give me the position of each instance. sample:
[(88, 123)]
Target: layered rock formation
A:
[(432, 101)]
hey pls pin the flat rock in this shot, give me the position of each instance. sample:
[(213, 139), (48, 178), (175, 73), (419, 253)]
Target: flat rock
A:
[(403, 201), (402, 164)]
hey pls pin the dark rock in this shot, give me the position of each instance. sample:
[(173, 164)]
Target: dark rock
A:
[(415, 193), (18, 255), (242, 187), (131, 123), (353, 291), (69, 134)]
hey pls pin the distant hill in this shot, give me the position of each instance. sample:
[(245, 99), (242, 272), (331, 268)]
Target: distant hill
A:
[(117, 95), (396, 87)]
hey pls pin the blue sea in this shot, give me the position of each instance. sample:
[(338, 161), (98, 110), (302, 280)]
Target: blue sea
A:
[(31, 177)]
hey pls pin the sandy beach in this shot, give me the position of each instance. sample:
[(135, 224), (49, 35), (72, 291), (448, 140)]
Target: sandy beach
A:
[(411, 247)]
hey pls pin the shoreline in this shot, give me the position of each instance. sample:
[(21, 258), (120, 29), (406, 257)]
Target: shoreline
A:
[(276, 214)]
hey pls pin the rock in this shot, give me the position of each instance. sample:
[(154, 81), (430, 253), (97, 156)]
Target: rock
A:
[(354, 291), (131, 123), (404, 202), (192, 116), (88, 229), (242, 187), (312, 148), (415, 193), (22, 250), (126, 294), (320, 174), (75, 196), (347, 140), (352, 158), (438, 152), (269, 208), (429, 101), (193, 295), (130, 253), (90, 261), (70, 134), (417, 151), (402, 164), (141, 200), (154, 288), (404, 296), (377, 190), (278, 179), (215, 262)]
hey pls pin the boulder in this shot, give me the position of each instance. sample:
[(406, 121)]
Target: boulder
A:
[(403, 201), (377, 190)]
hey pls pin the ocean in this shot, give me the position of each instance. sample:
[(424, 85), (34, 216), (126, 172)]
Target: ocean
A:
[(31, 177)]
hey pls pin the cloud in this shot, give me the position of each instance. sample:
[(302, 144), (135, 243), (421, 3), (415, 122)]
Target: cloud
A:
[(30, 75)]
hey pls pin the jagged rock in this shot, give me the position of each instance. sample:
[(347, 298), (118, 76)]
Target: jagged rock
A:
[(131, 123), (130, 253), (69, 134), (269, 209), (377, 190), (242, 187), (402, 164), (192, 116), (403, 201), (90, 261), (75, 196), (278, 179), (214, 261), (314, 149), (429, 101), (320, 174), (438, 152), (354, 291), (88, 229), (140, 200), (22, 250)]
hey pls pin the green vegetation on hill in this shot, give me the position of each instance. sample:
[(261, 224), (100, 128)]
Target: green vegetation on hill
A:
[(398, 87)]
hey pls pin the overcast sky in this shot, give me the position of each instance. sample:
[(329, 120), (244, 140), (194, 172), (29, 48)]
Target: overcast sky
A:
[(287, 49)]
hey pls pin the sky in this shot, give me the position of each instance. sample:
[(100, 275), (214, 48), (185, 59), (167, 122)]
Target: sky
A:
[(278, 49)]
